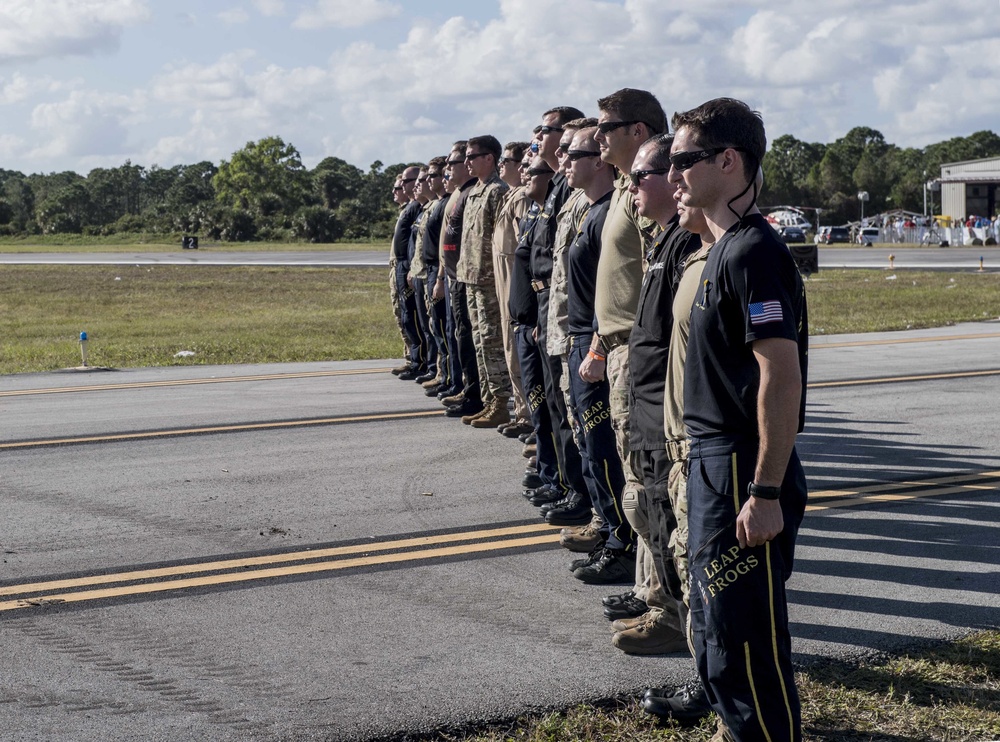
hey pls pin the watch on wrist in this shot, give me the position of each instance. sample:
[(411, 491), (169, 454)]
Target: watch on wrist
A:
[(764, 492)]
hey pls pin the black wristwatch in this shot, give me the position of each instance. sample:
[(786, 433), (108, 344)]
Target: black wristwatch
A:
[(764, 492)]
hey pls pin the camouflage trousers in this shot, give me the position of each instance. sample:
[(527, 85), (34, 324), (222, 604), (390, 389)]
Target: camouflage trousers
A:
[(619, 379), (677, 492), (484, 313), (397, 310), (502, 265)]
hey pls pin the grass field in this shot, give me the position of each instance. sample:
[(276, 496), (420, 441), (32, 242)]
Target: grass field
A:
[(156, 243), (949, 692), (144, 315)]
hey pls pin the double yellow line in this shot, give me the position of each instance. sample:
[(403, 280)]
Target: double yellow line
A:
[(250, 569), (467, 543)]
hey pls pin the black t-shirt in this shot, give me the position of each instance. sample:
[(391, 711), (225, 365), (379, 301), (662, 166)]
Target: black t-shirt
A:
[(451, 243), (432, 235), (649, 341), (581, 263), (401, 235), (750, 291), (544, 238), (522, 302)]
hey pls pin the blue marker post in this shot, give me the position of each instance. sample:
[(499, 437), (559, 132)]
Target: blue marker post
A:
[(83, 347), (981, 268)]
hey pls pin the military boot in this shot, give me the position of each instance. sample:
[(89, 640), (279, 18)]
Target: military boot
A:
[(654, 635), (494, 414)]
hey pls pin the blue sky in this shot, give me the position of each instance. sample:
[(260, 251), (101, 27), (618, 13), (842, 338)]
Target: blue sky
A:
[(91, 83)]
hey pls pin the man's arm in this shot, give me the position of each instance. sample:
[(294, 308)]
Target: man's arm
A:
[(778, 401)]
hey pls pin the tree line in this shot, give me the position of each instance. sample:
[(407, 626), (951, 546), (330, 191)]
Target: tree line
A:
[(264, 192), (830, 176)]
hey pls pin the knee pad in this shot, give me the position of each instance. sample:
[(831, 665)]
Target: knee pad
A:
[(635, 506)]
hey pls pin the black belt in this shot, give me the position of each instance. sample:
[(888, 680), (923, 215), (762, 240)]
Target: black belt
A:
[(539, 285), (612, 341)]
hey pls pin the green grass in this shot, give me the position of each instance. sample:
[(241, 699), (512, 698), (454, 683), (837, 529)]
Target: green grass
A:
[(143, 315), (75, 243), (949, 692), (874, 301)]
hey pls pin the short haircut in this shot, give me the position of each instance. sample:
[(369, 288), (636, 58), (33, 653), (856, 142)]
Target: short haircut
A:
[(438, 162), (489, 143), (581, 123), (564, 114), (659, 150), (727, 122), (630, 104), (460, 145), (516, 149)]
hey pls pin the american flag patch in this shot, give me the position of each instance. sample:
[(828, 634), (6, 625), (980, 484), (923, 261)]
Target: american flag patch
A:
[(762, 312)]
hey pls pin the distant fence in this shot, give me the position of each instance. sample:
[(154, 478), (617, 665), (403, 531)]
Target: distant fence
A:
[(954, 236)]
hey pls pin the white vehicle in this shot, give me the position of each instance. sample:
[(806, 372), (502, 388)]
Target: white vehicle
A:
[(868, 236)]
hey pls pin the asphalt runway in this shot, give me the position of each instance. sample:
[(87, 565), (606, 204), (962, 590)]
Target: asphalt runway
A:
[(312, 551), (924, 258)]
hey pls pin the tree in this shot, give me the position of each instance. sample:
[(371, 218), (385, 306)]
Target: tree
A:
[(786, 170), (265, 178), (335, 180)]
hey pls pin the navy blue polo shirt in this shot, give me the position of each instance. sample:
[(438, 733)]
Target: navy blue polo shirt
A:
[(649, 341), (401, 235), (751, 290), (581, 274), (544, 235), (522, 302)]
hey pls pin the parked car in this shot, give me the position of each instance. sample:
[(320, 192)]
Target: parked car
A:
[(836, 234), (868, 236), (791, 235)]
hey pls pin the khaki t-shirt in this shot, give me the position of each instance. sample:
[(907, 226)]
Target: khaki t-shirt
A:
[(673, 397), (619, 270)]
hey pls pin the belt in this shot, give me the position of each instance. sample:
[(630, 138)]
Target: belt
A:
[(539, 285), (678, 450), (614, 340)]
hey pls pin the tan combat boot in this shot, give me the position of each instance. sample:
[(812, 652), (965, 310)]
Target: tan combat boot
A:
[(494, 414), (652, 636), (582, 539)]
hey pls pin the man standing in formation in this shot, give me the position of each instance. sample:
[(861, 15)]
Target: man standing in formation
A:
[(638, 277)]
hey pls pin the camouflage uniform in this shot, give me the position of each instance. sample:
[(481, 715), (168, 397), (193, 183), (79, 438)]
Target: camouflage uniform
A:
[(475, 269)]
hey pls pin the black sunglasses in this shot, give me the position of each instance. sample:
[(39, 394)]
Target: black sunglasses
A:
[(533, 171), (407, 180), (609, 126), (687, 160), (549, 129), (637, 176), (505, 160), (431, 176), (474, 155), (579, 154), (455, 162), (397, 188)]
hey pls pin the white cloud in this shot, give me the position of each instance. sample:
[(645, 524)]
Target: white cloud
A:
[(87, 125), (345, 13), (234, 16), (35, 29), (269, 7), (17, 88)]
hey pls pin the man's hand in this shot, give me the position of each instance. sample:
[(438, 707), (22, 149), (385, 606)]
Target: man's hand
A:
[(759, 521), (438, 293), (592, 370), (409, 281)]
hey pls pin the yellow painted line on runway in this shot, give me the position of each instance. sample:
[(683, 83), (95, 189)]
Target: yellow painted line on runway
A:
[(898, 379), (189, 382), (958, 484), (221, 429), (902, 341), (278, 572), (294, 556)]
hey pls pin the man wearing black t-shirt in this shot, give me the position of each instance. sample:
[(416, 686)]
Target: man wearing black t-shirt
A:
[(744, 403), (401, 242), (602, 466), (571, 483)]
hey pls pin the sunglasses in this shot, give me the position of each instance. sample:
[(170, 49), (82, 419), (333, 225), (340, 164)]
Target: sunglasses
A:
[(505, 160), (422, 180), (533, 147), (397, 188), (474, 155), (609, 126), (687, 160), (578, 154), (407, 180), (638, 175), (455, 162), (431, 176), (549, 129), (533, 171)]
